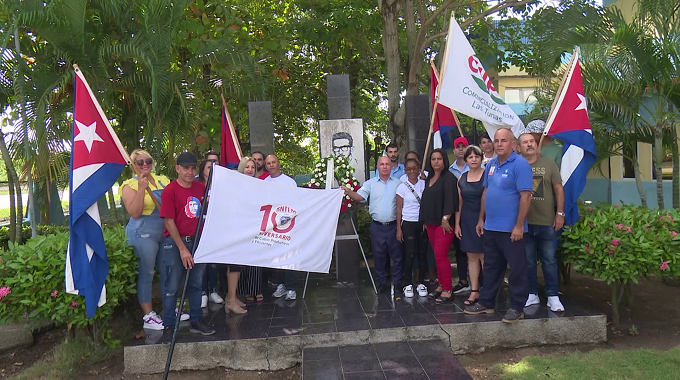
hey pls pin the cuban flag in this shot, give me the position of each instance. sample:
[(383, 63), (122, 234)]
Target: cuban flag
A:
[(230, 147), (97, 159), (569, 122), (444, 121)]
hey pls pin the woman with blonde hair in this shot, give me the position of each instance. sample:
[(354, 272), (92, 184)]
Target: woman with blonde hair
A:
[(145, 229), (251, 277)]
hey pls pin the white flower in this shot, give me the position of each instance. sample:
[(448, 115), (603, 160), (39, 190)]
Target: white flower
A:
[(313, 181), (349, 205), (348, 186)]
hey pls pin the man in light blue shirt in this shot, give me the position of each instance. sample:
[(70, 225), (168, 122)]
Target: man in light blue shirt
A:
[(459, 166), (381, 192), (396, 168)]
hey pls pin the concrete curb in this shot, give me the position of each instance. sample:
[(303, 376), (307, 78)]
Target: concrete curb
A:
[(284, 352)]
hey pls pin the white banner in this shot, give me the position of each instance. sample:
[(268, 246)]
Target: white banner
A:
[(466, 87), (265, 224)]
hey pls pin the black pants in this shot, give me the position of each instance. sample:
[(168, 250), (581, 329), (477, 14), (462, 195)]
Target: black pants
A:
[(499, 252), (385, 246), (461, 261), (289, 278), (415, 247)]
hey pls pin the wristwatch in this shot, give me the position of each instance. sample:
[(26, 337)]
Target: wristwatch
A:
[(445, 218), (560, 214)]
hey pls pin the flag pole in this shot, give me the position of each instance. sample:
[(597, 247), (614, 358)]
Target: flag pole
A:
[(237, 144), (557, 96), (441, 78), (199, 228), (434, 114)]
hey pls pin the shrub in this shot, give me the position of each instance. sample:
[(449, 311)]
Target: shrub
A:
[(43, 229), (621, 244), (32, 282)]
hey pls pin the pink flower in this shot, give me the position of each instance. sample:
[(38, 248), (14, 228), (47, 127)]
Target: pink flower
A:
[(619, 226), (664, 265), (0, 259), (610, 251), (73, 304), (615, 243), (674, 234), (629, 230), (54, 294), (616, 205), (669, 218), (4, 291), (590, 209), (587, 249)]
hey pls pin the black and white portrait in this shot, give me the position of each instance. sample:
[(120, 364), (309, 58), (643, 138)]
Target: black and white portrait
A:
[(344, 137)]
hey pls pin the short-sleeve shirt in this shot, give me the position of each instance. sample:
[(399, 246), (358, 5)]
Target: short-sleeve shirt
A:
[(410, 210), (395, 172), (149, 205), (282, 179), (543, 205), (457, 171), (381, 197), (264, 175), (503, 183), (553, 151), (183, 205)]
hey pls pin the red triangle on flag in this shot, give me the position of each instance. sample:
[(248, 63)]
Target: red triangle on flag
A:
[(94, 141), (571, 110), (444, 115)]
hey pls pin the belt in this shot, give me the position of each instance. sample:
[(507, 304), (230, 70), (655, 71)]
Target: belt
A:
[(187, 239), (385, 223)]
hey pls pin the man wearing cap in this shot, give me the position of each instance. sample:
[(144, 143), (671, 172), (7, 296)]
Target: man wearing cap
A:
[(287, 279), (181, 208), (546, 217), (550, 147), (502, 223), (381, 192), (459, 167)]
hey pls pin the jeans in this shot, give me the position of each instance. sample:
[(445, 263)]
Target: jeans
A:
[(174, 269), (542, 244), (499, 253), (289, 278), (441, 243), (145, 235), (415, 248)]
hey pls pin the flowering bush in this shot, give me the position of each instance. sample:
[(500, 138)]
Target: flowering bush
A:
[(620, 244), (32, 281), (344, 174)]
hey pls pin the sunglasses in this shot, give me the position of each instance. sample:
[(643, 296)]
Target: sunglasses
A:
[(148, 161)]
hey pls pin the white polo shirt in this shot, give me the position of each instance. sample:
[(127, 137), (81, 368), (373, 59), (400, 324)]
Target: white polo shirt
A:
[(282, 179), (410, 211)]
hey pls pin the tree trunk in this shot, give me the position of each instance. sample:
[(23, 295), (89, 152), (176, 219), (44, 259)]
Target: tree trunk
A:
[(658, 158), (676, 167), (12, 208), (617, 294), (12, 173), (112, 205), (638, 179), (389, 10)]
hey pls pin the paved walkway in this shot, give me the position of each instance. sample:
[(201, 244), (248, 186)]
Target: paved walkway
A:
[(400, 360)]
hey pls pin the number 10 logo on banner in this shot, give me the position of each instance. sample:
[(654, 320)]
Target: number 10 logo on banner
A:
[(282, 219)]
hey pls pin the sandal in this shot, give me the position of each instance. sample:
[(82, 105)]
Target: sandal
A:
[(234, 307), (259, 298), (250, 298), (435, 294), (469, 302), (441, 300)]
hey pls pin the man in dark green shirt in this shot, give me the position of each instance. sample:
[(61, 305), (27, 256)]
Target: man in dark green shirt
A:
[(550, 147)]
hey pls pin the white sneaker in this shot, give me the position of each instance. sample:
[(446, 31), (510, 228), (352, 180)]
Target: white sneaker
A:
[(554, 303), (408, 291), (532, 300), (152, 321), (291, 296), (183, 317), (422, 290), (215, 298), (280, 291), (204, 300)]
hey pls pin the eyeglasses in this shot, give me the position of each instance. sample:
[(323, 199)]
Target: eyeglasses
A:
[(148, 161), (342, 149)]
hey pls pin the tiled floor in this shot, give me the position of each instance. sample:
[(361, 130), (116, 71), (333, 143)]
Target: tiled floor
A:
[(401, 360), (332, 306)]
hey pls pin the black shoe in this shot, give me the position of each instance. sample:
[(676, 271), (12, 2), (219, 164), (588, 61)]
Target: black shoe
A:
[(461, 288), (200, 328), (167, 335), (383, 288), (513, 316)]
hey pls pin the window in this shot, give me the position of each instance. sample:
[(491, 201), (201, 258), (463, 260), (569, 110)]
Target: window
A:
[(519, 95)]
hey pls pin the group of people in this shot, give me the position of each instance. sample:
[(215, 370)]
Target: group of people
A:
[(497, 207), (163, 225), (500, 205)]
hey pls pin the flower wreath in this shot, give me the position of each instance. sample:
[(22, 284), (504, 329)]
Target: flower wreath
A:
[(344, 174)]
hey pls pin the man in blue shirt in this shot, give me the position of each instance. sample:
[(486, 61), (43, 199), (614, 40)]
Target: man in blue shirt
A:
[(508, 182), (396, 168), (381, 192), (459, 166)]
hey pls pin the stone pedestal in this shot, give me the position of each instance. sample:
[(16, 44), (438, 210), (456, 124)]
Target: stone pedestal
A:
[(418, 121), (339, 104), (261, 124)]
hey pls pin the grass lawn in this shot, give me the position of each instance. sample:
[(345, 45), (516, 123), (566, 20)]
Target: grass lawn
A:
[(597, 364)]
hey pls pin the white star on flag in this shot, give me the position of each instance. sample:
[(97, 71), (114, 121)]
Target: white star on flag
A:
[(88, 134), (582, 105)]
